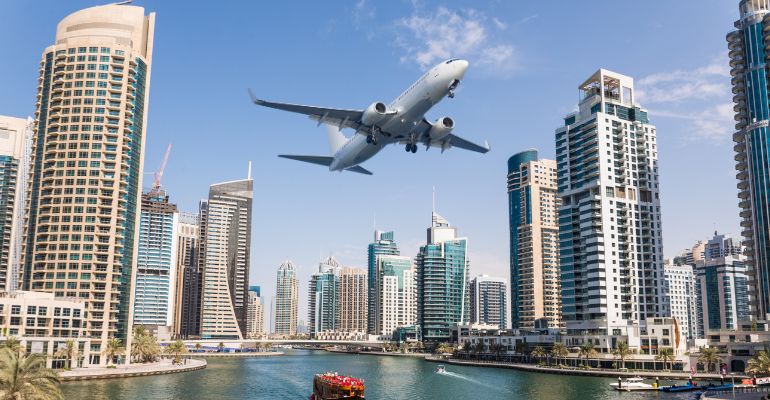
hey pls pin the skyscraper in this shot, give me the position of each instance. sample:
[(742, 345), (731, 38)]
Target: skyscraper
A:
[(224, 293), (610, 227), (746, 49), (187, 294), (681, 298), (533, 208), (255, 316), (488, 301), (157, 261), (286, 300), (15, 147), (722, 287), (395, 294), (384, 244), (87, 155), (323, 297), (353, 300), (442, 279)]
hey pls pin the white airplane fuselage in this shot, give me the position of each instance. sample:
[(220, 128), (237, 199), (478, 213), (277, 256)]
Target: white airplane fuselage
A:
[(410, 108)]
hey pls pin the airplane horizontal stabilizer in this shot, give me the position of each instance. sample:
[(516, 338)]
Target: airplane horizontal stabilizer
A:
[(360, 170), (320, 160)]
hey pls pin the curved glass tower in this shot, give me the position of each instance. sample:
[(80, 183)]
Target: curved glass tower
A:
[(749, 81)]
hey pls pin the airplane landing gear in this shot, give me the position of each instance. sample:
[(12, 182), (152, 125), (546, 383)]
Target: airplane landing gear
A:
[(372, 137), (411, 147)]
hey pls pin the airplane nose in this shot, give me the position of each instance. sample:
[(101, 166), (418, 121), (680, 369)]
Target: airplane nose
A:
[(462, 66)]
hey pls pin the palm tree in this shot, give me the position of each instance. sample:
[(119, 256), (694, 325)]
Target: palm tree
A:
[(559, 350), (622, 351), (538, 352), (176, 349), (68, 351), (709, 356), (25, 377), (145, 347), (760, 363), (114, 348), (666, 354), (13, 344), (221, 347), (587, 351), (197, 347)]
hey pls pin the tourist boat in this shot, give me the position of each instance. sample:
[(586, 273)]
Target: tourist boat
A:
[(441, 369), (683, 388), (330, 386), (633, 384)]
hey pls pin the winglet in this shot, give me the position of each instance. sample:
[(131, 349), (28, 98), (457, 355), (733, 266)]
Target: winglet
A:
[(486, 145), (254, 99)]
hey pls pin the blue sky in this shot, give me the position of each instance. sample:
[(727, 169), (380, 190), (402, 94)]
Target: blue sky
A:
[(527, 58)]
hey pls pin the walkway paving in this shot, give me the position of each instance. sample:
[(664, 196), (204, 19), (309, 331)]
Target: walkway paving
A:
[(124, 371), (243, 354)]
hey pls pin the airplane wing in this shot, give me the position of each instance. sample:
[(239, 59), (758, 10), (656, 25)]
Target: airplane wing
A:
[(331, 116), (450, 140)]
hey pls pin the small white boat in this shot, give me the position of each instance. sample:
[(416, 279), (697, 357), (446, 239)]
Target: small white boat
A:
[(441, 369), (632, 384)]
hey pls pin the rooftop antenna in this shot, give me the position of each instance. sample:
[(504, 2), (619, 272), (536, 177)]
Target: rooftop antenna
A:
[(249, 175), (434, 199), (159, 174)]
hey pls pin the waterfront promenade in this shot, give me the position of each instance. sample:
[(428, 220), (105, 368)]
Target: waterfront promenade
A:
[(598, 372), (239, 354), (162, 367)]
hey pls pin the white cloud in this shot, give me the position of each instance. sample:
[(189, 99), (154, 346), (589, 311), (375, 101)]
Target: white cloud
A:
[(701, 83), (428, 37), (499, 24), (526, 19), (714, 123)]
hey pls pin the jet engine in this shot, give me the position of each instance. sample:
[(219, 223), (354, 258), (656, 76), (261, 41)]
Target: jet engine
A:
[(441, 128), (374, 113)]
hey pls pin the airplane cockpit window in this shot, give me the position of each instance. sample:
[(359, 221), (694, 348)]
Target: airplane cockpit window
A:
[(451, 60)]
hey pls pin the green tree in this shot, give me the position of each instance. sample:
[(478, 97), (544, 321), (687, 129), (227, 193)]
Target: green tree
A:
[(176, 350), (666, 355), (114, 348), (622, 351), (559, 351), (12, 343), (221, 347), (709, 356), (760, 363), (68, 352), (25, 377), (587, 351), (197, 347), (538, 352), (145, 347)]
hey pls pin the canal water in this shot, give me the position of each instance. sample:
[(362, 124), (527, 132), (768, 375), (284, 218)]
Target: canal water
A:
[(291, 376)]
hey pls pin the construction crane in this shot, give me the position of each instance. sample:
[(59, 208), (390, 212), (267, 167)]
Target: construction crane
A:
[(159, 174)]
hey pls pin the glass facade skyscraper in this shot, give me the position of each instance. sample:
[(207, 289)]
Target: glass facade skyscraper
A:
[(442, 281), (86, 166), (323, 298), (748, 58), (156, 261), (384, 244), (286, 300)]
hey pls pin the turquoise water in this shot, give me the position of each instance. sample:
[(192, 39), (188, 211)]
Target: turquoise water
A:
[(290, 377)]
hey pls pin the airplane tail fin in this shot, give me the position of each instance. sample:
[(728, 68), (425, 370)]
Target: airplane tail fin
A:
[(336, 138)]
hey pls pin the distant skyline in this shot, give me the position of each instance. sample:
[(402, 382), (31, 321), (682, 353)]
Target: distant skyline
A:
[(527, 60)]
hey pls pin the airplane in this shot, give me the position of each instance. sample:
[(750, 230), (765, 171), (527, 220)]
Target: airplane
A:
[(402, 121)]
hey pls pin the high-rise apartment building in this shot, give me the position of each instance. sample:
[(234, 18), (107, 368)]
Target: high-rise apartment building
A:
[(722, 246), (225, 273), (286, 300), (442, 280), (533, 210), (255, 316), (395, 294), (384, 244), (488, 301), (610, 226), (722, 288), (187, 293), (15, 147), (353, 300), (82, 218), (748, 57), (323, 297), (156, 261), (681, 298)]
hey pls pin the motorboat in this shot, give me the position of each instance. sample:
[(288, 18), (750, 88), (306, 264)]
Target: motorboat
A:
[(440, 369), (632, 384)]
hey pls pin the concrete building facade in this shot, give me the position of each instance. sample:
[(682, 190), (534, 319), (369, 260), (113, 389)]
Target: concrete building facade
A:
[(187, 293), (255, 317), (82, 217), (681, 298), (396, 294), (384, 244), (722, 287), (353, 298), (610, 226), (286, 300), (533, 209), (488, 301)]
